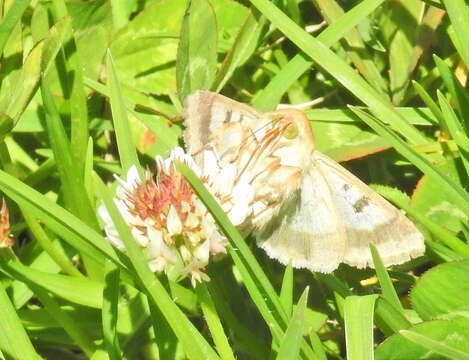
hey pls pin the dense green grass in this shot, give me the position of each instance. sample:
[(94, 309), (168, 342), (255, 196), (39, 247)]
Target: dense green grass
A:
[(90, 88)]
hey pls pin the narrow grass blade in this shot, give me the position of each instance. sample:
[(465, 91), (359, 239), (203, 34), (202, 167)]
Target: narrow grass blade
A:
[(458, 12), (197, 52), (14, 340), (339, 69), (9, 21), (354, 45), (71, 327), (291, 342), (388, 318), (45, 242), (434, 346), (426, 98), (387, 289), (110, 310), (125, 145), (214, 323), (453, 190), (359, 312), (270, 96), (317, 346), (286, 292), (458, 93), (456, 130), (192, 341), (243, 47), (80, 291)]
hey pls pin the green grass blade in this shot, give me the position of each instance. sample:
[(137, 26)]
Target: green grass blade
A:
[(46, 243), (359, 312), (270, 96), (426, 98), (339, 69), (197, 52), (355, 47), (127, 152), (387, 289), (388, 318), (214, 323), (434, 346), (9, 21), (291, 342), (243, 48), (110, 310), (80, 291), (317, 346), (458, 93), (458, 13), (453, 190), (14, 340), (71, 326), (286, 292)]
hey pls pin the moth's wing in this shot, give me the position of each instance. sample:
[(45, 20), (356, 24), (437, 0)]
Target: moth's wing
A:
[(308, 230), (206, 112), (369, 218)]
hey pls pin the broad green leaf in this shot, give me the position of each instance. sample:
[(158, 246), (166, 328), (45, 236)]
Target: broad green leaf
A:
[(346, 141), (434, 205), (197, 50), (434, 346), (442, 291), (359, 312), (145, 54), (448, 333)]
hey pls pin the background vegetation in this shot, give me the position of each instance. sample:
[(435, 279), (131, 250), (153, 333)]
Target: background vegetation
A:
[(84, 85)]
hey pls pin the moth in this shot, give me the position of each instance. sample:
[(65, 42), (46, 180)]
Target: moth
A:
[(302, 206)]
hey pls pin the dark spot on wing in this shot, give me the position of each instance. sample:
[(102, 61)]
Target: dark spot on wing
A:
[(228, 116), (361, 204), (346, 187)]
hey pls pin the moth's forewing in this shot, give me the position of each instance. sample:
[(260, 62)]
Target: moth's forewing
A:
[(367, 218), (207, 112)]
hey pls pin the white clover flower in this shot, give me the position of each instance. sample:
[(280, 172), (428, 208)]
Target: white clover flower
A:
[(167, 219)]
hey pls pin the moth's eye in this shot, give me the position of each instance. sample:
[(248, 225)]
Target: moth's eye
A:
[(291, 132)]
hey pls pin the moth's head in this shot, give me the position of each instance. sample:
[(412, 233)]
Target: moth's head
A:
[(294, 126), (296, 138)]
